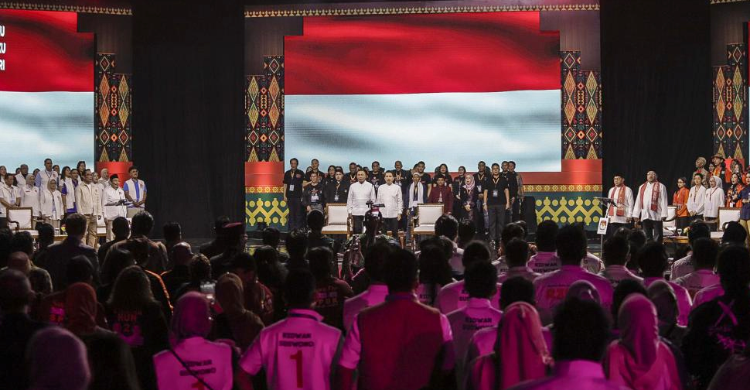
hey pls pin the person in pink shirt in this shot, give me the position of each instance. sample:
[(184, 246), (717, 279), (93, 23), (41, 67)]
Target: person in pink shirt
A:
[(545, 260), (653, 262), (684, 266), (376, 292), (639, 360), (516, 255), (520, 355), (434, 270), (299, 351), (454, 295), (616, 253), (705, 251), (481, 284), (552, 288), (580, 337)]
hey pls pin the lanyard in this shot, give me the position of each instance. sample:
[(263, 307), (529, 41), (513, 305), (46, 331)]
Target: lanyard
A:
[(496, 180)]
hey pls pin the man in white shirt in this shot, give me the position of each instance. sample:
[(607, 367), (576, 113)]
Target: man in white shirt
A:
[(616, 254), (30, 196), (390, 196), (113, 204), (620, 211), (454, 296), (705, 252), (9, 197), (135, 190), (360, 193), (696, 197), (22, 176), (46, 175), (545, 260), (89, 204), (551, 288), (416, 194), (651, 207), (299, 351)]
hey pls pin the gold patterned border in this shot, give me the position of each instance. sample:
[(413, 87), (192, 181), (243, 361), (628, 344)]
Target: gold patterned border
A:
[(562, 188), (264, 190), (67, 8), (416, 10)]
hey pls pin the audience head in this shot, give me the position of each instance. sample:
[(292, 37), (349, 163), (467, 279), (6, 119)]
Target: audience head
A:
[(447, 226), (615, 250), (733, 268), (481, 280), (511, 231), (546, 235), (581, 331), (243, 265), (219, 225), (663, 296), (117, 260), (571, 245), (19, 261), (622, 291), (296, 244), (132, 290), (40, 281), (320, 260), (200, 268), (433, 266), (583, 290), (112, 364), (15, 291), (400, 271), (475, 251), (653, 260), (230, 294), (698, 229), (172, 232), (466, 232), (375, 258), (516, 252), (734, 234), (142, 224), (705, 251), (79, 269), (271, 237), (299, 289), (46, 234), (22, 242), (517, 289), (639, 328), (235, 236), (192, 317), (182, 253), (80, 309), (75, 225), (265, 255), (57, 360), (316, 220)]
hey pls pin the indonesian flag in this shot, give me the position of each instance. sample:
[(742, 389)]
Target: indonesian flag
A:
[(443, 88), (46, 89)]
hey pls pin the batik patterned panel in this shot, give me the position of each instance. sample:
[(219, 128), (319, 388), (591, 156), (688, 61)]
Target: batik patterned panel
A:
[(581, 109), (113, 111), (569, 205), (274, 145), (730, 110), (256, 114), (265, 204)]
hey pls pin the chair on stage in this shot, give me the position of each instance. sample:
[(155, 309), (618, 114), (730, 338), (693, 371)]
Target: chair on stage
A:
[(726, 214), (22, 218), (670, 227), (427, 215), (337, 219)]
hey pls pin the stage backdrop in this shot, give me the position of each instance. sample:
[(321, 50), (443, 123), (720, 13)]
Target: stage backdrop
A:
[(46, 95)]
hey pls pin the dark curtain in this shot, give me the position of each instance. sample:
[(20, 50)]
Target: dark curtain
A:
[(656, 83), (188, 134)]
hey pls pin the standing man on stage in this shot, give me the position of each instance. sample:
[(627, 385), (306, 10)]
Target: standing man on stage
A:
[(515, 188), (353, 172), (337, 191), (391, 197), (376, 175), (9, 197), (651, 207), (313, 197), (135, 190), (89, 204), (113, 204), (360, 193), (620, 211), (22, 176), (293, 179), (46, 175), (497, 198), (480, 178), (314, 167)]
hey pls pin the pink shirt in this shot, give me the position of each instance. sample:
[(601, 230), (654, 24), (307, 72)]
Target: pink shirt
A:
[(296, 353), (453, 297), (682, 267), (465, 322), (524, 272), (592, 263), (212, 362), (374, 295), (617, 273), (684, 302), (573, 374), (708, 294), (544, 262), (552, 288), (698, 280)]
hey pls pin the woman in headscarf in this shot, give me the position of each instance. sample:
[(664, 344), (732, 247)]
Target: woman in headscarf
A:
[(211, 366), (520, 352), (639, 360), (81, 309), (468, 195), (665, 300), (235, 322), (57, 361), (714, 200)]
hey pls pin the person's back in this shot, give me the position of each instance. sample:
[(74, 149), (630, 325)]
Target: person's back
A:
[(705, 251), (545, 260), (653, 262), (454, 296), (376, 291), (297, 352), (330, 292), (681, 267), (615, 252), (150, 255), (516, 254), (59, 255)]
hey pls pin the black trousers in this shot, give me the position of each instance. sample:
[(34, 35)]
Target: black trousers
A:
[(296, 213), (654, 230), (390, 225), (359, 220), (497, 220)]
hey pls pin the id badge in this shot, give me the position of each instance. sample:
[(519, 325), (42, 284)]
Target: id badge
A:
[(495, 193), (291, 187), (336, 198), (314, 198), (479, 188)]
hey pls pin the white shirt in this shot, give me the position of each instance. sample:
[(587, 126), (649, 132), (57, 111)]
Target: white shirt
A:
[(698, 280), (696, 199), (627, 207), (296, 353), (359, 195), (390, 196), (552, 288), (684, 302), (137, 190), (682, 267), (543, 262), (51, 204), (456, 260), (642, 208), (10, 195), (617, 273), (465, 322), (573, 374), (70, 192), (212, 362), (88, 199), (30, 198), (111, 196), (374, 295), (453, 296), (43, 177), (714, 200), (21, 181)]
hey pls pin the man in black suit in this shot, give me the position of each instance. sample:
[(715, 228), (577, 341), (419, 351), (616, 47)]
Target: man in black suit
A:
[(57, 257)]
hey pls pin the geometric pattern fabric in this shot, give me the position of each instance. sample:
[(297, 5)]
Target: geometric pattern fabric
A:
[(730, 106), (581, 109), (113, 111), (264, 112)]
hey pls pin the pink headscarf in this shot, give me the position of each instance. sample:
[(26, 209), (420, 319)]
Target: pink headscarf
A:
[(191, 317), (81, 308), (639, 329), (521, 352), (469, 187)]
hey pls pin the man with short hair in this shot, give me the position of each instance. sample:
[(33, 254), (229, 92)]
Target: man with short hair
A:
[(620, 211), (360, 194), (515, 190), (424, 177), (353, 168), (314, 168), (120, 232), (172, 232), (296, 246), (257, 297), (337, 190), (551, 288), (299, 351), (376, 292), (497, 198), (113, 202), (23, 175), (447, 226), (59, 255), (389, 195), (441, 193), (454, 296), (293, 182), (9, 198), (218, 245), (313, 197), (516, 256), (316, 238), (376, 175), (30, 196), (89, 204), (651, 207), (154, 258), (236, 238), (46, 175), (653, 262), (705, 251), (135, 190), (415, 333), (684, 266), (616, 253), (330, 292)]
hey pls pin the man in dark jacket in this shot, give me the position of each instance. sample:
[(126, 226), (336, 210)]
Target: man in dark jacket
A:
[(58, 256)]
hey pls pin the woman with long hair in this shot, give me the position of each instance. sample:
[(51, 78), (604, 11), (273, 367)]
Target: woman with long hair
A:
[(235, 322), (434, 273), (733, 191), (445, 173), (330, 175), (680, 200), (81, 168)]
